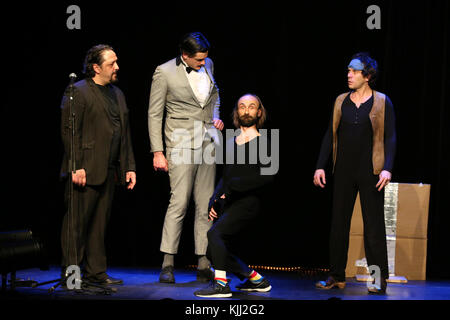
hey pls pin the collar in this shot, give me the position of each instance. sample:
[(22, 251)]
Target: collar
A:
[(179, 60)]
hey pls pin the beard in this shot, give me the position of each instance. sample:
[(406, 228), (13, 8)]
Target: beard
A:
[(247, 120), (114, 78)]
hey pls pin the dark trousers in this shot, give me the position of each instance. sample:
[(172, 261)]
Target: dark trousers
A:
[(235, 218), (83, 234), (346, 187)]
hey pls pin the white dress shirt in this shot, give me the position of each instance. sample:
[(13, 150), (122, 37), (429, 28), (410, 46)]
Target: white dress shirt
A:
[(200, 83)]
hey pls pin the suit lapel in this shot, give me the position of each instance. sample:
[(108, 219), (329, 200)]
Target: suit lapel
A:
[(182, 75), (98, 96), (102, 100), (181, 72)]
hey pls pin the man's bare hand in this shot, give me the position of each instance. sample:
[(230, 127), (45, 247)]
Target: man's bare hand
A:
[(160, 162), (131, 179), (218, 124), (319, 178), (385, 178), (79, 177), (212, 213)]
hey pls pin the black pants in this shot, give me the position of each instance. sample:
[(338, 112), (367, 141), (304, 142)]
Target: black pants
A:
[(83, 234), (346, 187), (236, 217)]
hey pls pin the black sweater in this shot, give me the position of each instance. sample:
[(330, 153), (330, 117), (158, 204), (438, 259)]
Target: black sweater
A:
[(243, 176)]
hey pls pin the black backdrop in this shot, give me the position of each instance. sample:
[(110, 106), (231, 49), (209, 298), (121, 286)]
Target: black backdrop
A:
[(294, 56)]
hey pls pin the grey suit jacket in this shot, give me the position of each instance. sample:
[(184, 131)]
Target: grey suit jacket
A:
[(171, 92)]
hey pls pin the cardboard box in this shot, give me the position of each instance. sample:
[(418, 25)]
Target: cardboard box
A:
[(410, 257), (355, 253), (411, 234), (412, 212), (357, 227)]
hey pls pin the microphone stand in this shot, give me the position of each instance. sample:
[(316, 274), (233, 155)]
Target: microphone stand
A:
[(72, 167)]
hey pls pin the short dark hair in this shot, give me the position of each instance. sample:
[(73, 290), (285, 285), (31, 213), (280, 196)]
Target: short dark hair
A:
[(94, 56), (370, 66), (193, 42), (261, 120)]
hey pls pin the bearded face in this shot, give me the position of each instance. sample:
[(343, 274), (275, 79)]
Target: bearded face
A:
[(107, 72), (247, 120), (248, 111)]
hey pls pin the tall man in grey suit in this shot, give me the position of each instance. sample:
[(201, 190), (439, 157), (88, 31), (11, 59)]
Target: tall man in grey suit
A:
[(184, 87)]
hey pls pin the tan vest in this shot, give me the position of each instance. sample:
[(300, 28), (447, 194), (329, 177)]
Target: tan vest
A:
[(376, 118)]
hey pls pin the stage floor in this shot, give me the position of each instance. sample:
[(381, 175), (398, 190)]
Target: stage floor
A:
[(142, 284)]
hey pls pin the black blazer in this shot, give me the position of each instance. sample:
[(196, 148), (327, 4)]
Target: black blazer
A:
[(93, 133)]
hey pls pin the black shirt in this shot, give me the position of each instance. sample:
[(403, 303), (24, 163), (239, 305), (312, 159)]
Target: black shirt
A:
[(114, 116), (355, 137), (243, 176)]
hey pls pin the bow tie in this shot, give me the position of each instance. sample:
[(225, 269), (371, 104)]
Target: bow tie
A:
[(189, 69)]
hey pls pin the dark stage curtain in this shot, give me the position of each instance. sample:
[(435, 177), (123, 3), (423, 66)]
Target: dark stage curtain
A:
[(294, 57)]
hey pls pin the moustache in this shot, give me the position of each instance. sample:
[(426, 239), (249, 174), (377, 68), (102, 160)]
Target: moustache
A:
[(247, 120)]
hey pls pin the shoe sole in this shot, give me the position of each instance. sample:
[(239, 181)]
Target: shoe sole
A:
[(335, 286), (118, 283), (377, 291), (267, 289), (162, 281), (220, 295), (332, 287)]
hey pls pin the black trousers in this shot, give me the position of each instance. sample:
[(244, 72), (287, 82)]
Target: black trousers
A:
[(234, 219), (346, 186), (83, 233)]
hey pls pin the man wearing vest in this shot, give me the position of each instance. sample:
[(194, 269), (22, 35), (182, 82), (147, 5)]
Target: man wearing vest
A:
[(362, 140)]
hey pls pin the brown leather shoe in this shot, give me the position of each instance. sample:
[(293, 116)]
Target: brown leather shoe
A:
[(330, 283)]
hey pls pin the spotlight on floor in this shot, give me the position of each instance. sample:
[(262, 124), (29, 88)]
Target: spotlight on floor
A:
[(20, 250)]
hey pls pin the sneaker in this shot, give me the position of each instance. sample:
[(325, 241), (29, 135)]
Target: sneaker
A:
[(166, 275), (215, 290), (263, 286)]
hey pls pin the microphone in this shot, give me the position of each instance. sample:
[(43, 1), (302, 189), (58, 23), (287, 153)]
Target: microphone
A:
[(72, 77)]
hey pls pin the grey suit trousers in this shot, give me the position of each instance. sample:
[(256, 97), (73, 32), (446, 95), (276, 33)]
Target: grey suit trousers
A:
[(186, 179)]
